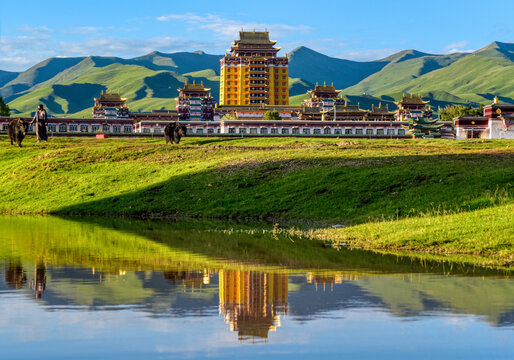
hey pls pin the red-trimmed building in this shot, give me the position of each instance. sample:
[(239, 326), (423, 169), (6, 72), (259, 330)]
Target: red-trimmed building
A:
[(411, 106), (497, 122), (195, 103), (110, 105)]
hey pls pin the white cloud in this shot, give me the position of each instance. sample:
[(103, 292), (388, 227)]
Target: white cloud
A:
[(131, 47), (35, 30), (459, 46), (228, 28), (367, 54)]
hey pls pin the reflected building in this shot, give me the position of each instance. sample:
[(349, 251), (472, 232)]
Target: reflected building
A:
[(252, 302), (190, 278), (15, 276), (325, 280), (38, 284)]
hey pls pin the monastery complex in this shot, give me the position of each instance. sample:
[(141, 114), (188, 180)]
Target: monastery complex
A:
[(254, 83)]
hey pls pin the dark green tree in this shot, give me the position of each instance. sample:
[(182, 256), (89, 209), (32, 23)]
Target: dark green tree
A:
[(271, 115), (4, 108), (450, 112)]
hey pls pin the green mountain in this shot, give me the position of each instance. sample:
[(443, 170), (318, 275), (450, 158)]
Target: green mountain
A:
[(455, 78), (314, 67), (6, 76), (67, 86)]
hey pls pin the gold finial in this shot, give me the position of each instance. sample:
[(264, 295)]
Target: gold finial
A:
[(324, 83), (253, 29), (495, 101), (380, 104)]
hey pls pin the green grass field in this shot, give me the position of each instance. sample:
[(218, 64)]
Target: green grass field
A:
[(438, 197)]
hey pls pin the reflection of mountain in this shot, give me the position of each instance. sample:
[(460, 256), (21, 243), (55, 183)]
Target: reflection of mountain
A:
[(252, 301), (169, 269)]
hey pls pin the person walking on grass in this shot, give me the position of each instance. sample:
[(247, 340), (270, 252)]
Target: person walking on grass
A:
[(40, 119)]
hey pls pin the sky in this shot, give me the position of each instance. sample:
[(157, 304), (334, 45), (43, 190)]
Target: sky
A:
[(32, 31)]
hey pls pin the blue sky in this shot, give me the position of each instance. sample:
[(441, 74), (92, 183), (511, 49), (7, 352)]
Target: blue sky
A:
[(31, 31)]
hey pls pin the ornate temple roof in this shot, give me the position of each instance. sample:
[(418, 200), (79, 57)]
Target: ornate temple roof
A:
[(380, 109), (412, 100), (109, 96), (254, 37), (194, 87), (324, 88)]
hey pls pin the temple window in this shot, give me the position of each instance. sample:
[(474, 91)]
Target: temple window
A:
[(358, 131), (369, 131), (306, 131), (348, 131), (62, 127), (264, 131), (253, 130), (380, 131)]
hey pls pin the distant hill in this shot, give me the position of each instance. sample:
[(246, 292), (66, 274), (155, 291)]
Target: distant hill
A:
[(314, 67), (67, 86), (6, 76)]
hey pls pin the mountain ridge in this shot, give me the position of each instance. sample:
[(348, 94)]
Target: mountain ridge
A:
[(151, 81)]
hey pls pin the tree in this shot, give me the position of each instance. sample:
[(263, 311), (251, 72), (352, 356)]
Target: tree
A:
[(450, 112), (4, 108), (271, 115), (229, 116)]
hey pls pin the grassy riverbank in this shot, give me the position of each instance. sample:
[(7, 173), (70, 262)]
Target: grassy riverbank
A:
[(441, 197)]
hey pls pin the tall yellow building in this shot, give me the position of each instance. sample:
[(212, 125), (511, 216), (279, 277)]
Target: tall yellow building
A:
[(253, 74)]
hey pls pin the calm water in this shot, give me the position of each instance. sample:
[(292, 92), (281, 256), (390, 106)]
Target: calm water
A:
[(117, 289)]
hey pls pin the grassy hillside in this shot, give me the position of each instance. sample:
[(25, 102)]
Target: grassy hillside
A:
[(448, 79), (145, 89), (401, 71), (476, 78), (443, 196)]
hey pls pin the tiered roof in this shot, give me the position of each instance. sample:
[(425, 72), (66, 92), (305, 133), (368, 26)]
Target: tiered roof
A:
[(110, 97), (194, 87), (380, 109), (254, 38), (411, 100)]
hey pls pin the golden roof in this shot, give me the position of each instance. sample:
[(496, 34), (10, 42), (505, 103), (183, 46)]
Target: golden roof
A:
[(412, 99), (110, 97), (325, 88), (194, 87), (254, 37), (380, 109)]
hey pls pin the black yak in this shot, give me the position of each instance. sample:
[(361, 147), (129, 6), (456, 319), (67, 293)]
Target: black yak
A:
[(173, 132), (17, 130)]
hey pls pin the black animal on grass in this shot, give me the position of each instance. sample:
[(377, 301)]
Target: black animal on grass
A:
[(174, 132), (17, 130)]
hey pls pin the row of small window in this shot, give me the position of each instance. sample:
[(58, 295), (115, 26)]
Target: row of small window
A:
[(307, 131), (229, 102), (234, 69), (82, 128)]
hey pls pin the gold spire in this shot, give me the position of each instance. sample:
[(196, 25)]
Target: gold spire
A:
[(495, 101)]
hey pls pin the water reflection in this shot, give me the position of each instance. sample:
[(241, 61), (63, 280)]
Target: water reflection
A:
[(252, 302), (251, 284)]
